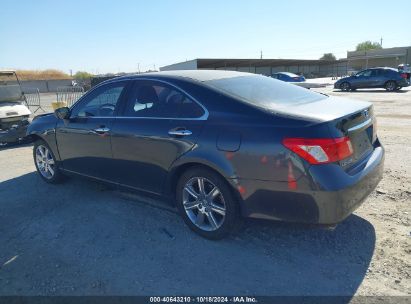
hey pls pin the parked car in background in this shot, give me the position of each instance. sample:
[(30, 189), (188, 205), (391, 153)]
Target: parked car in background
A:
[(14, 114), (288, 77), (221, 145), (384, 77)]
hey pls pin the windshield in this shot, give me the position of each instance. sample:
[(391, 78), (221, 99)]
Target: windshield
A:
[(9, 88), (265, 92)]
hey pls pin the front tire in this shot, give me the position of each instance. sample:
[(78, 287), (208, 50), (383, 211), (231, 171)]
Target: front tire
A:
[(390, 86), (207, 204), (345, 86), (46, 164)]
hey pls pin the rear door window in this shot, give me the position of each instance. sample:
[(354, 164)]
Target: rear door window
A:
[(152, 99)]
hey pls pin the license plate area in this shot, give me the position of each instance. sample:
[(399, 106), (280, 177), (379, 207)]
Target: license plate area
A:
[(362, 142)]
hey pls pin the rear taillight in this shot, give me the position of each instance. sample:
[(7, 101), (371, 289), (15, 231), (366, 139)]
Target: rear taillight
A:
[(405, 76), (320, 150)]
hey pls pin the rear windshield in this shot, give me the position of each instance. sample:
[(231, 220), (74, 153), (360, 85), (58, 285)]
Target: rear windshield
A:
[(264, 91), (289, 74)]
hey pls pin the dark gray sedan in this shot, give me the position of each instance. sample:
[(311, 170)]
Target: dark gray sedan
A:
[(221, 145), (387, 78)]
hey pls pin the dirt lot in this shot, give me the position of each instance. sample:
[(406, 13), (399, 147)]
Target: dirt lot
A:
[(82, 238)]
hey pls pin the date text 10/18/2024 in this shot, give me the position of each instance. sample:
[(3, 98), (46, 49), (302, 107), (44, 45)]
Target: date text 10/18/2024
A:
[(238, 299)]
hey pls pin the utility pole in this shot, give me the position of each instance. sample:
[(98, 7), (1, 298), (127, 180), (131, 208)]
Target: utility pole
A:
[(261, 54), (381, 41)]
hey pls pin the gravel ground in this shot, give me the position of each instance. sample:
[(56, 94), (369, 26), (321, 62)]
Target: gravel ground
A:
[(82, 238)]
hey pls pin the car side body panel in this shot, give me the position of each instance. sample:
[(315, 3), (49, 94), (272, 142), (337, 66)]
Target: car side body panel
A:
[(242, 143)]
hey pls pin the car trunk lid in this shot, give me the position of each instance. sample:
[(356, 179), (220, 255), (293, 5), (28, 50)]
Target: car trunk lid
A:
[(344, 118), (360, 128)]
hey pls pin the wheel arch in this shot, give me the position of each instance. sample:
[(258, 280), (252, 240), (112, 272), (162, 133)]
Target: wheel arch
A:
[(180, 167), (48, 138), (34, 137), (390, 80)]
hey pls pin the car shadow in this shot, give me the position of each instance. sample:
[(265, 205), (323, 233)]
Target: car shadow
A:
[(82, 238)]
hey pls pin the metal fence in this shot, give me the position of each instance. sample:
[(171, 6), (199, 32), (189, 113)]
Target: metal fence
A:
[(32, 99), (69, 95)]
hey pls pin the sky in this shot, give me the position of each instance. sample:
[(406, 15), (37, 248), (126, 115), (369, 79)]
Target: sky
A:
[(126, 36)]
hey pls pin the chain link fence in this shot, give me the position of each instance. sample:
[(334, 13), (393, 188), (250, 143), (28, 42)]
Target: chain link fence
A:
[(32, 99), (69, 95)]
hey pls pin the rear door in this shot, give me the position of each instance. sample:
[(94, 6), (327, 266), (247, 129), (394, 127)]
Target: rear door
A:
[(84, 139), (376, 78), (158, 124)]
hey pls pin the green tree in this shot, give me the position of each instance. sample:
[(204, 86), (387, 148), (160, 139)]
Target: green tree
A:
[(328, 56), (368, 45), (81, 75)]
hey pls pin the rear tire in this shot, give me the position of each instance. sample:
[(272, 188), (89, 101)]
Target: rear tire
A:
[(345, 86), (46, 164), (207, 204), (390, 86)]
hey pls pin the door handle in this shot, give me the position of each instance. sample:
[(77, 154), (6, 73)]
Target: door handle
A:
[(101, 130), (181, 132)]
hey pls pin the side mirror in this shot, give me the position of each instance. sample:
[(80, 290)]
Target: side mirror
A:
[(62, 113)]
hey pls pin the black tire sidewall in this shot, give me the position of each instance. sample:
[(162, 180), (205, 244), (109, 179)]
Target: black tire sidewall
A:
[(348, 86), (394, 87), (232, 217), (57, 177)]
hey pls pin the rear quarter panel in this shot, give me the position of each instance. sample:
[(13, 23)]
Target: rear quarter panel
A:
[(252, 147)]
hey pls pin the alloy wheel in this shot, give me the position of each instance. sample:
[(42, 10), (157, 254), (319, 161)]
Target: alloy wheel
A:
[(45, 162), (391, 86), (345, 86), (204, 203)]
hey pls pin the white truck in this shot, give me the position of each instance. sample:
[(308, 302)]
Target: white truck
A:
[(14, 114)]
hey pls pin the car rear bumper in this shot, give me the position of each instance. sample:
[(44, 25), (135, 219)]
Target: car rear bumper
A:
[(327, 195), (404, 83), (15, 133)]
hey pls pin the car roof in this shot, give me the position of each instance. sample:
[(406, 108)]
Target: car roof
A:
[(382, 68), (286, 73), (197, 75)]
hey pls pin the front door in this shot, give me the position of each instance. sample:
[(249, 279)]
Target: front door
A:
[(84, 139), (362, 80), (159, 123)]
